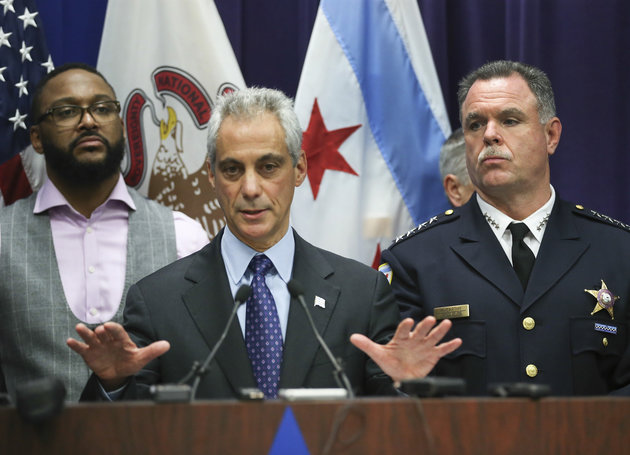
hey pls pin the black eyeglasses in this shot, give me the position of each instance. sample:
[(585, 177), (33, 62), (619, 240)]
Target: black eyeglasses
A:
[(70, 115)]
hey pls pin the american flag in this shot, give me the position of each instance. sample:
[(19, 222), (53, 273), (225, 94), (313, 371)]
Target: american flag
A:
[(24, 58)]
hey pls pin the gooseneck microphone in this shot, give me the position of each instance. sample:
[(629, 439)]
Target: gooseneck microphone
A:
[(241, 296), (297, 292), (182, 391)]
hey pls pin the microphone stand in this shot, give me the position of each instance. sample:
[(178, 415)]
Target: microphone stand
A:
[(297, 292), (182, 391)]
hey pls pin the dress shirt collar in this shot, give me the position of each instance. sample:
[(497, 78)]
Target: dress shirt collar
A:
[(536, 222), (49, 196), (237, 255)]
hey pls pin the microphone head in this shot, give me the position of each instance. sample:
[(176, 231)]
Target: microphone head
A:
[(243, 293), (295, 288), (40, 399)]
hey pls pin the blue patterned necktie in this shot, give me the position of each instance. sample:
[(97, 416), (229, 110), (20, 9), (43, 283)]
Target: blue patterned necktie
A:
[(263, 336)]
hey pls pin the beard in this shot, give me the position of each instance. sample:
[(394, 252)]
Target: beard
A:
[(77, 173)]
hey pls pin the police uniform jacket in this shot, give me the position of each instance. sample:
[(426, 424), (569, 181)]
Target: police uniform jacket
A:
[(545, 334)]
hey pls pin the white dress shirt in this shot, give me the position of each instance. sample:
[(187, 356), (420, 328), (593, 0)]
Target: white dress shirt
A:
[(236, 256), (536, 222)]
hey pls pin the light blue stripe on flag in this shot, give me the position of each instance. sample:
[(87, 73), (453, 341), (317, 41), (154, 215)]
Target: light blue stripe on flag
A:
[(401, 120)]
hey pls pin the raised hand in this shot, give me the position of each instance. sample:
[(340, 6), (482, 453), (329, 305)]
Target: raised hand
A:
[(410, 353), (111, 354)]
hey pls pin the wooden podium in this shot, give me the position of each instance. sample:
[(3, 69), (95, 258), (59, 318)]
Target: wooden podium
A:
[(460, 426)]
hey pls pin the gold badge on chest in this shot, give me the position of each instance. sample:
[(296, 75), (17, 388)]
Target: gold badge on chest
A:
[(605, 299)]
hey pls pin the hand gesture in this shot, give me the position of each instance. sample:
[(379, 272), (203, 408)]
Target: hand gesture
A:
[(411, 353), (111, 354)]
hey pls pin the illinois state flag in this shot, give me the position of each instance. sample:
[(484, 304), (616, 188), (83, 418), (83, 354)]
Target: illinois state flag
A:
[(374, 120), (23, 61), (168, 61)]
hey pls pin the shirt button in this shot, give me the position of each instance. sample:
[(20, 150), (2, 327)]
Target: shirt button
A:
[(89, 230), (93, 311), (531, 370), (91, 269), (529, 323), (605, 341)]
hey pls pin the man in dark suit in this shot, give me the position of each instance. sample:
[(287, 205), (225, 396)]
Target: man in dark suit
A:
[(255, 163), (538, 289)]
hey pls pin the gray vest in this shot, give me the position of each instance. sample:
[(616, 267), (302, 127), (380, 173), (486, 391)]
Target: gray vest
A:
[(35, 319)]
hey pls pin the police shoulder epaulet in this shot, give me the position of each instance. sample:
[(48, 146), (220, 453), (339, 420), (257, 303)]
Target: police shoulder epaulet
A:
[(592, 214), (448, 215)]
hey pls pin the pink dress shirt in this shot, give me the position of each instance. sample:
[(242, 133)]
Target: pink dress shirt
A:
[(92, 252)]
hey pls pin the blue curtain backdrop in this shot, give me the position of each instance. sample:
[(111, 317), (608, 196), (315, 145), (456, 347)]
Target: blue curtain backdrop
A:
[(583, 45)]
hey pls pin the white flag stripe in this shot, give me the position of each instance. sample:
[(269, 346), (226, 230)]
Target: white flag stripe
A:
[(34, 166), (351, 214)]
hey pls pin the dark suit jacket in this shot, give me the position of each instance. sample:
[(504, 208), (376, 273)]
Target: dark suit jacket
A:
[(456, 259), (188, 303)]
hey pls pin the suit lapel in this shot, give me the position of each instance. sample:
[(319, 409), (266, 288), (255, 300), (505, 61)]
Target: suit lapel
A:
[(559, 251), (210, 302), (479, 247), (311, 269)]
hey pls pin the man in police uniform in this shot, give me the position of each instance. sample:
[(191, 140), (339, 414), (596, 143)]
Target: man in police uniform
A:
[(550, 309)]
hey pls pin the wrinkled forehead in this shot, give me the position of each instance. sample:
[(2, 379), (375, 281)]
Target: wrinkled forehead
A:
[(501, 93)]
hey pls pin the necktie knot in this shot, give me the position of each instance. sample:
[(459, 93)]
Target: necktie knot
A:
[(260, 264), (518, 230)]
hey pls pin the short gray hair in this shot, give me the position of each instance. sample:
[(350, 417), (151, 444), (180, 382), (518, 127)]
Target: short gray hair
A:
[(252, 102), (453, 157), (536, 79)]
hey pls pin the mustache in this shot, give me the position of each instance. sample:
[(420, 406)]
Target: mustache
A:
[(493, 152), (74, 143)]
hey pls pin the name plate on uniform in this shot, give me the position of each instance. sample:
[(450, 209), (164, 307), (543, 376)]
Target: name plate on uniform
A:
[(451, 312)]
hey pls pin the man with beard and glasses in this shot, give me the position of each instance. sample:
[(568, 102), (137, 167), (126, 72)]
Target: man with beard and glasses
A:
[(537, 288), (69, 252)]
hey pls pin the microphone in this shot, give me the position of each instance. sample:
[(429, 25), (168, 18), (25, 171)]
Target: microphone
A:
[(182, 391), (297, 292), (40, 399)]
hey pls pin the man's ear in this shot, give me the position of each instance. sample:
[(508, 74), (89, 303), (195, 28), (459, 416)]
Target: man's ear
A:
[(300, 169), (210, 173), (457, 193), (36, 139), (553, 130)]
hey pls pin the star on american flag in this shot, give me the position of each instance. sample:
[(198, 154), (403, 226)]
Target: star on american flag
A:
[(8, 6), (24, 59), (28, 18)]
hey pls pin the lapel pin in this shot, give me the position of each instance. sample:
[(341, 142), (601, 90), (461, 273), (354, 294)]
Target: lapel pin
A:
[(319, 302), (605, 299)]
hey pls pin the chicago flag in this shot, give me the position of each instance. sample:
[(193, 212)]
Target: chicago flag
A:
[(168, 61), (371, 107)]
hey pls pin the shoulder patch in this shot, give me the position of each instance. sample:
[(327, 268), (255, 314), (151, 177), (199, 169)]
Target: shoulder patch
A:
[(442, 218), (386, 270), (592, 214)]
